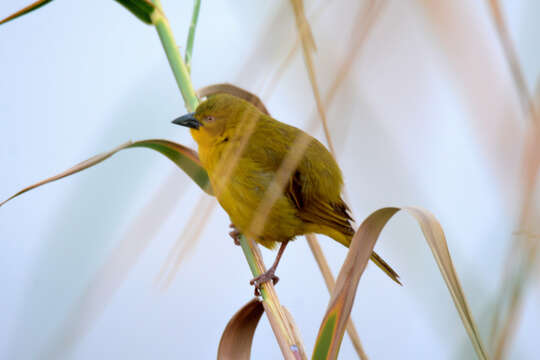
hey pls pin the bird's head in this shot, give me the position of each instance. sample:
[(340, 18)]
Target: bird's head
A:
[(217, 119)]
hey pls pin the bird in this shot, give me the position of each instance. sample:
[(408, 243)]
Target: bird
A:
[(244, 152)]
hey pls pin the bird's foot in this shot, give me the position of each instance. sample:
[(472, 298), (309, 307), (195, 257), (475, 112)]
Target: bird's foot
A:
[(261, 279), (235, 234)]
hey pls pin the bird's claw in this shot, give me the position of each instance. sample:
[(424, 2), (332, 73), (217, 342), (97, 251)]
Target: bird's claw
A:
[(261, 279), (235, 234)]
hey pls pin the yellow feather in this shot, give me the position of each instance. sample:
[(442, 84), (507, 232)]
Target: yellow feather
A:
[(242, 150)]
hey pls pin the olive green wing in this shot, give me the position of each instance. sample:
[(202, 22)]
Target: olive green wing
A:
[(315, 207)]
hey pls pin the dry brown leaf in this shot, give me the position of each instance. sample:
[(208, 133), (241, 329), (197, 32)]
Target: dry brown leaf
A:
[(235, 343), (363, 242), (184, 157), (34, 6), (233, 90)]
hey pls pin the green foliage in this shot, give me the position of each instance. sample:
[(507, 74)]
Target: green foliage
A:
[(142, 9)]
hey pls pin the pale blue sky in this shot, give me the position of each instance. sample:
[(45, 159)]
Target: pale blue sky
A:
[(427, 117)]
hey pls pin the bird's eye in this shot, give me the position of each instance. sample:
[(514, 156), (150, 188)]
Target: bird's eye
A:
[(209, 118)]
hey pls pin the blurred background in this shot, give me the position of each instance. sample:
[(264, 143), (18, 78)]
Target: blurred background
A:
[(114, 262)]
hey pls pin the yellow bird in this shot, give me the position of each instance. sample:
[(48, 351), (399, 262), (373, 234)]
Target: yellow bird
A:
[(244, 152)]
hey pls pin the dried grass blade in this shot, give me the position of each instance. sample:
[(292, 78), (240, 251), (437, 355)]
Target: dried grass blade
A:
[(340, 305), (513, 62), (186, 159), (236, 340), (296, 333), (73, 170), (233, 90), (307, 49), (35, 5), (182, 156), (330, 285), (522, 256), (303, 25)]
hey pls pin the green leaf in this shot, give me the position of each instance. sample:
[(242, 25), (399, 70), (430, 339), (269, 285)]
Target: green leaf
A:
[(342, 299), (26, 10), (143, 9), (191, 33), (184, 157)]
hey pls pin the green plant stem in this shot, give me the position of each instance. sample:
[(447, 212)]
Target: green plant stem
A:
[(285, 334), (176, 62), (191, 34)]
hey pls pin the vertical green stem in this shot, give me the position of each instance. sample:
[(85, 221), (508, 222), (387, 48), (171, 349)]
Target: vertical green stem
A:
[(288, 338), (178, 66), (285, 334), (191, 34)]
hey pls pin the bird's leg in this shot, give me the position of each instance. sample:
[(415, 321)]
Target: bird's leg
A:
[(235, 234), (269, 274)]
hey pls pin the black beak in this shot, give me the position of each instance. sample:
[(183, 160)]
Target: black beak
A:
[(188, 120)]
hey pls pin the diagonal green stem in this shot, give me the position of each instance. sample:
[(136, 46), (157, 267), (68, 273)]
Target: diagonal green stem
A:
[(191, 34)]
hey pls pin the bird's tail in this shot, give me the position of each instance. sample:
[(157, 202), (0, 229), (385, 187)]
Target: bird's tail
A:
[(385, 267), (345, 239)]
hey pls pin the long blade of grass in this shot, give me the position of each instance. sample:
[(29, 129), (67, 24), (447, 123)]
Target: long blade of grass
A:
[(34, 6), (333, 325), (522, 255), (184, 157), (524, 249), (366, 18), (330, 285), (178, 67), (307, 47), (236, 340), (512, 59), (306, 34), (191, 33), (273, 81)]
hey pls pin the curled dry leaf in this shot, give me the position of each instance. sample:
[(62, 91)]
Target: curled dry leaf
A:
[(235, 343), (35, 5), (184, 157), (342, 299), (233, 90)]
